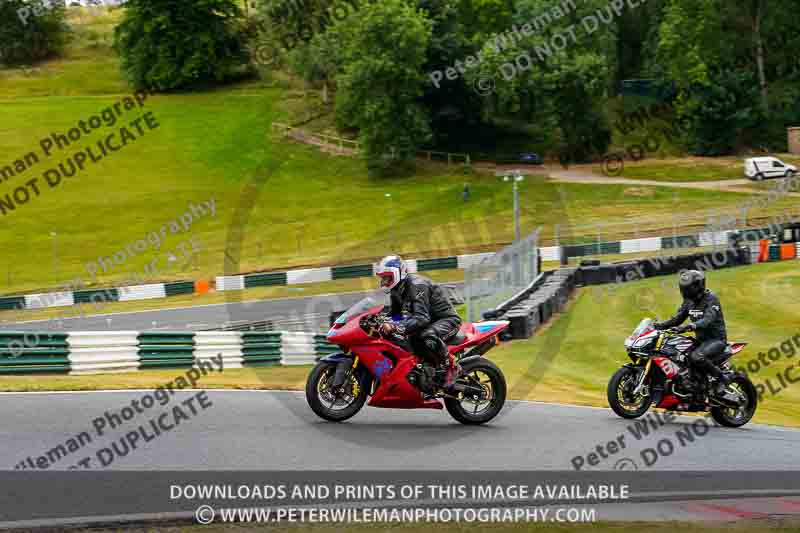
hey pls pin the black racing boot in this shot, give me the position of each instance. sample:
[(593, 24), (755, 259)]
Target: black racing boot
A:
[(444, 376), (721, 390)]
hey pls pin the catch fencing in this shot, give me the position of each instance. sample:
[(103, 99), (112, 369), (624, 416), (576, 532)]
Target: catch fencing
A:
[(498, 277)]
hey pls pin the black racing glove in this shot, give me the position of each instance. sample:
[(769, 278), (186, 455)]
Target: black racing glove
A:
[(684, 328)]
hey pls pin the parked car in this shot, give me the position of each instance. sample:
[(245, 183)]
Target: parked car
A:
[(525, 158), (759, 168)]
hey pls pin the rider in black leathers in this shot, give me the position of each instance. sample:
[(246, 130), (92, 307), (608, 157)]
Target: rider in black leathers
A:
[(429, 319), (703, 309)]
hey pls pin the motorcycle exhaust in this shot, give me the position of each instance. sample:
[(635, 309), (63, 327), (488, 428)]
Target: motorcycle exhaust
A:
[(480, 349)]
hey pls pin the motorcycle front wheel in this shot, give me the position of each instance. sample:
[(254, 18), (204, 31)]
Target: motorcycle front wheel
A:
[(329, 405), (620, 394), (473, 409)]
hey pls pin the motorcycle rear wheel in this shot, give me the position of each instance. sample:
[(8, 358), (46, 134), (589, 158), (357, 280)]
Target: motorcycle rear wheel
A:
[(620, 384), (736, 417), (324, 403), (474, 411)]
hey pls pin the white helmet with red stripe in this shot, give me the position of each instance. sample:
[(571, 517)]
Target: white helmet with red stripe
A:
[(392, 270)]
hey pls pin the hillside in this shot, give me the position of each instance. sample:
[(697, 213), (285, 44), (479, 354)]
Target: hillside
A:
[(310, 208)]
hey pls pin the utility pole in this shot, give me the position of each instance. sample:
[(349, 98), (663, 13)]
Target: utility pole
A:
[(515, 177)]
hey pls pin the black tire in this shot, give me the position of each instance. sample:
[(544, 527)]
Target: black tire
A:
[(613, 391), (759, 177), (498, 390), (721, 415), (789, 173), (324, 370)]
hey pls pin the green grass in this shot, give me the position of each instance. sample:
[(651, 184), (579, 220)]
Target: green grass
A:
[(572, 358), (684, 169), (311, 209)]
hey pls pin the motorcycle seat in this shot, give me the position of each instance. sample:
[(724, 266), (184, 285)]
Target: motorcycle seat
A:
[(458, 338)]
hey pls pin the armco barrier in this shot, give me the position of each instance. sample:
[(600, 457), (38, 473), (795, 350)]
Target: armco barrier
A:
[(261, 348), (31, 352), (93, 352), (322, 274)]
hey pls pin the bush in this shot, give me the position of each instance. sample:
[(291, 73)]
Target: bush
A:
[(167, 45), (31, 30)]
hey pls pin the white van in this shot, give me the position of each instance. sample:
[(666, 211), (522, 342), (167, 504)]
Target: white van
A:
[(759, 168)]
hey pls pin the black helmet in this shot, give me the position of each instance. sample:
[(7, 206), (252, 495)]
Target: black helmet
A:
[(692, 284)]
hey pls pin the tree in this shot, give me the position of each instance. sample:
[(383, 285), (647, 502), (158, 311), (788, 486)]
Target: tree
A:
[(31, 30), (560, 89), (167, 45), (703, 42), (381, 82)]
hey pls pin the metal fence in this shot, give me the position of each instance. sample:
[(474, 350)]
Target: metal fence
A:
[(500, 276)]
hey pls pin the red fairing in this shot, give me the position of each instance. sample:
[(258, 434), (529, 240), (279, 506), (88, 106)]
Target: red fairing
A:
[(669, 368), (737, 347), (390, 364), (668, 401)]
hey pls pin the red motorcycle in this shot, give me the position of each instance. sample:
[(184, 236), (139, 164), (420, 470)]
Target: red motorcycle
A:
[(387, 371)]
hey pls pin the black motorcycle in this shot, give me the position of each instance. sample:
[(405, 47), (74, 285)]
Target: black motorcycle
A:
[(660, 375)]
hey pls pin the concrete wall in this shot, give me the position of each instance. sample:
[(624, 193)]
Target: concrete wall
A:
[(794, 140)]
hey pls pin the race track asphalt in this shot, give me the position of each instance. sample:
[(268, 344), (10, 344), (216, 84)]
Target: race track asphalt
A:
[(302, 313), (276, 430)]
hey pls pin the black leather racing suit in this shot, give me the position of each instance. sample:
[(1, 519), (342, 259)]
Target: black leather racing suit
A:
[(709, 323), (429, 318)]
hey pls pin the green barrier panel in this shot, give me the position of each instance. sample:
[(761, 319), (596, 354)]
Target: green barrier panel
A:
[(32, 352), (8, 303), (598, 248), (266, 279), (354, 271), (165, 337), (267, 350), (96, 296), (18, 344), (162, 352), (440, 263), (32, 339), (680, 241), (38, 359), (170, 363), (42, 369), (179, 287), (262, 362)]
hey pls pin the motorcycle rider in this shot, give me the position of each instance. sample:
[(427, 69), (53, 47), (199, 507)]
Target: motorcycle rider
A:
[(703, 309), (429, 319)]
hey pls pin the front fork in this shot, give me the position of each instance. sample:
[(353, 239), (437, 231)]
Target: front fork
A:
[(640, 385)]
